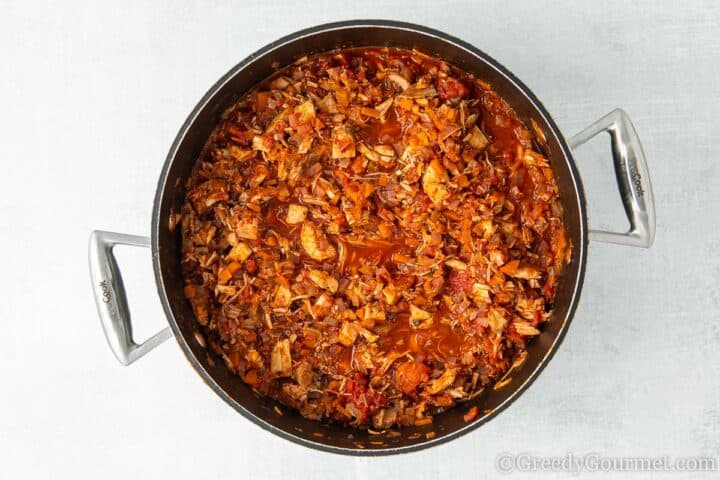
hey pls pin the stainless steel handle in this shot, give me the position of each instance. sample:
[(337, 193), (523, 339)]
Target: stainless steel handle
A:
[(633, 179), (110, 296)]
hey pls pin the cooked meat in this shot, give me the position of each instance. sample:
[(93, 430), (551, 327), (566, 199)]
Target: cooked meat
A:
[(371, 237)]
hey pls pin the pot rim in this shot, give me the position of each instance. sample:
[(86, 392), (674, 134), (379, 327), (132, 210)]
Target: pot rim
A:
[(187, 125)]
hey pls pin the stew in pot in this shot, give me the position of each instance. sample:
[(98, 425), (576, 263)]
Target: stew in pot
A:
[(372, 236)]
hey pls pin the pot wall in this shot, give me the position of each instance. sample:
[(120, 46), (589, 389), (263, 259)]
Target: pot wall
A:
[(190, 142)]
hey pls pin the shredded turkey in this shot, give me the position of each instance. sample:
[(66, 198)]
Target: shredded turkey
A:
[(372, 237)]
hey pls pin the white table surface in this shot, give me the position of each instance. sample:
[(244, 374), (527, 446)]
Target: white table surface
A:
[(91, 98)]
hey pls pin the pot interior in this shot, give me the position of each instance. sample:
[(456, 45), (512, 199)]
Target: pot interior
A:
[(191, 140)]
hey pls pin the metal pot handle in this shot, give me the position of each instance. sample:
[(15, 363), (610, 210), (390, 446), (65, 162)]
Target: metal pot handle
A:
[(633, 182), (111, 299), (633, 179)]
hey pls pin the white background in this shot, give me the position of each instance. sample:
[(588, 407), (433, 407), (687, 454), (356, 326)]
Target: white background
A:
[(91, 97)]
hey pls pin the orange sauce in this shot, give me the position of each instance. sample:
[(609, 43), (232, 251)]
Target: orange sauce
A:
[(275, 216), (378, 132), (501, 125), (371, 252), (438, 341)]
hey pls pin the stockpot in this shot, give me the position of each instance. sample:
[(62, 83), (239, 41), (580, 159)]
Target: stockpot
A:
[(632, 179)]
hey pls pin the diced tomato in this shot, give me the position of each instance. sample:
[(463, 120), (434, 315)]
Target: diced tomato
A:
[(364, 400), (451, 88), (422, 202), (460, 281)]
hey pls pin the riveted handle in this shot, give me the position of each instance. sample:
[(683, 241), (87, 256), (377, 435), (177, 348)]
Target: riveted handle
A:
[(111, 299), (633, 179)]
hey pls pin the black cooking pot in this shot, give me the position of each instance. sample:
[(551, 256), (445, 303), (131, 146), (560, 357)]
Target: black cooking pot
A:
[(633, 182)]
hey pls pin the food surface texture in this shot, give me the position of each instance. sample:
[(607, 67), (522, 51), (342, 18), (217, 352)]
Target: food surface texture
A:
[(372, 237)]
